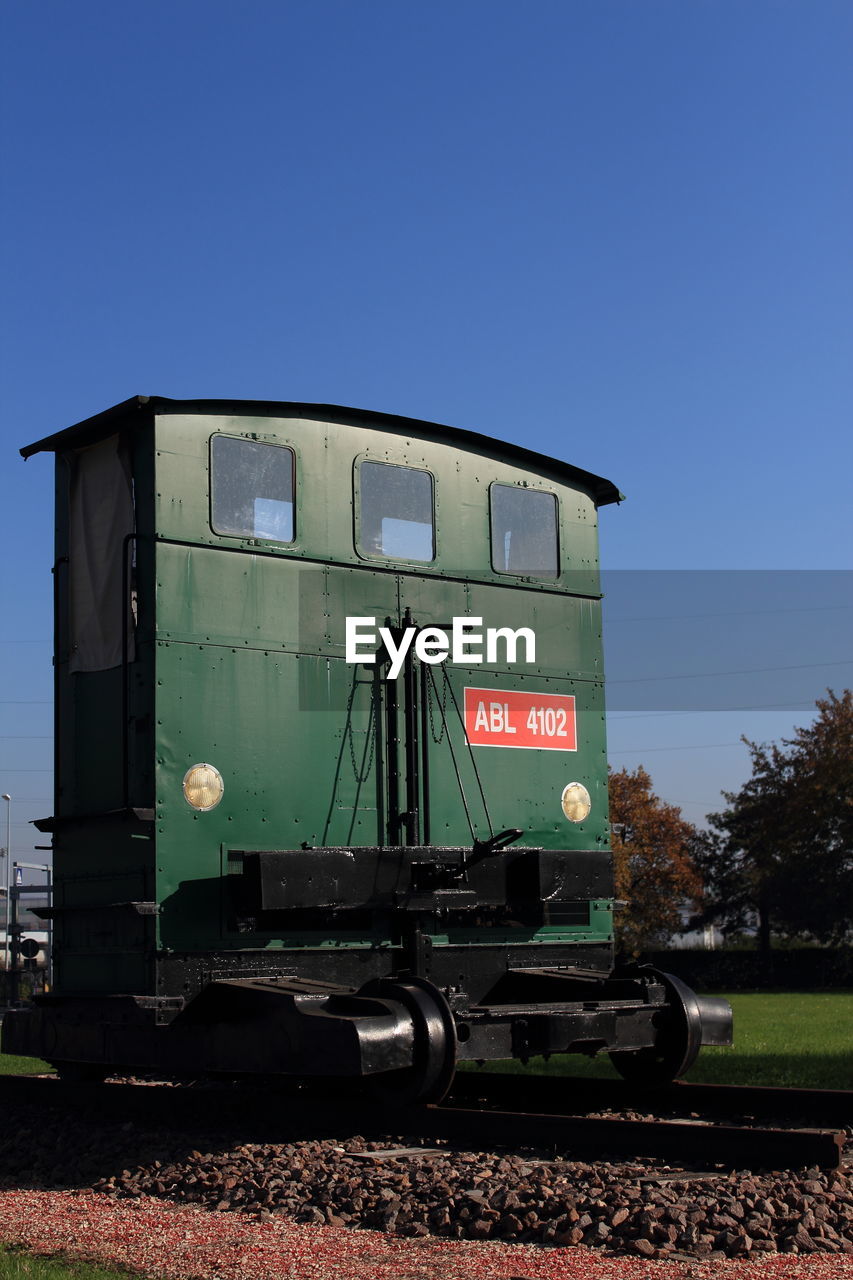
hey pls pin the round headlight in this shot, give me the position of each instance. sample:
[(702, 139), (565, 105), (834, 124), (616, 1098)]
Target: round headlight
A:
[(575, 802), (203, 787)]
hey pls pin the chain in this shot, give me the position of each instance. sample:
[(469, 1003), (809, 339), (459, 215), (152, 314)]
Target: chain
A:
[(430, 686), (364, 772)]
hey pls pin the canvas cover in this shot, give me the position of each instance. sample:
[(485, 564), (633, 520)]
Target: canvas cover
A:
[(100, 518)]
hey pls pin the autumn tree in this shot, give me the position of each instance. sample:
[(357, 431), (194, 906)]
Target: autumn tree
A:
[(652, 857), (780, 857)]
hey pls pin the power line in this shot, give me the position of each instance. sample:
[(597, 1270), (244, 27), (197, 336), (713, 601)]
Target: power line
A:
[(696, 746), (747, 671), (740, 613), (758, 706)]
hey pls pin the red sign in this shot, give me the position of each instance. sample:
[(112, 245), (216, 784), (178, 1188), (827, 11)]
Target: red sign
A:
[(510, 718)]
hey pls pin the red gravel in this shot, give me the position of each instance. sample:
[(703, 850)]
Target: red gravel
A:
[(177, 1242)]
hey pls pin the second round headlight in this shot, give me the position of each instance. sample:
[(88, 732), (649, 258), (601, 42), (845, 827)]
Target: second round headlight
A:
[(575, 802), (203, 787)]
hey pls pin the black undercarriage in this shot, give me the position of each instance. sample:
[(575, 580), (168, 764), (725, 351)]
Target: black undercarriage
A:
[(403, 1029)]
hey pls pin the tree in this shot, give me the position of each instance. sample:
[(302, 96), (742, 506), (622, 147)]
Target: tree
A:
[(652, 858), (781, 854)]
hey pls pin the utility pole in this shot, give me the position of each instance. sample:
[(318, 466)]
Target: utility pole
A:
[(8, 854)]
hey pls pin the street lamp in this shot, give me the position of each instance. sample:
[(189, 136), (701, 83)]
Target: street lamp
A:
[(8, 800)]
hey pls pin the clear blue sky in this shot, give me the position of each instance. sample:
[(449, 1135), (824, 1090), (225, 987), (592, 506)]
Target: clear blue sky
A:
[(617, 232)]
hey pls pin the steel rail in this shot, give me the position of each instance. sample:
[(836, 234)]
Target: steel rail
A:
[(578, 1095), (613, 1138)]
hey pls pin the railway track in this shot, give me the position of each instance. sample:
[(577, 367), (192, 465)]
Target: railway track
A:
[(818, 1106), (681, 1122), (708, 1126), (468, 1169)]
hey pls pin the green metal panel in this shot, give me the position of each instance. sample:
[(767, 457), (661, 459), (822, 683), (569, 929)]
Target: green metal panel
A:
[(522, 788), (251, 677), (326, 456), (291, 776), (242, 601)]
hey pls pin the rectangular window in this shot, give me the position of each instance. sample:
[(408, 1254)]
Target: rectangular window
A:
[(252, 489), (396, 516), (524, 531)]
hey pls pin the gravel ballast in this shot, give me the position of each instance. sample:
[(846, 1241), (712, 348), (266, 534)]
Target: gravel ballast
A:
[(427, 1192), (616, 1208), (177, 1242)]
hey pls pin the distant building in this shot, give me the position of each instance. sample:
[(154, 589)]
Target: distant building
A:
[(31, 926), (708, 938)]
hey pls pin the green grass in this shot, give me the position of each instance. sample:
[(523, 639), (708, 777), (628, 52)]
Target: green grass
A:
[(11, 1064), (802, 1039), (798, 1039), (16, 1265)]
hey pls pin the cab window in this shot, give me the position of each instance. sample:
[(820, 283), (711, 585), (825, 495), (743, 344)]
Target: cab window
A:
[(524, 531), (396, 514), (252, 487)]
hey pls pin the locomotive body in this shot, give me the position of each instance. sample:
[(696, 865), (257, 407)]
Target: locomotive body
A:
[(331, 780)]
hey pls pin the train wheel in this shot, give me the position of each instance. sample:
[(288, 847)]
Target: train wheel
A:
[(431, 1075), (677, 1045)]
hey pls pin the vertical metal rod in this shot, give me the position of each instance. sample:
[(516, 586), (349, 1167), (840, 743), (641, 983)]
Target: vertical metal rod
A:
[(8, 877), (50, 927), (453, 758), (410, 714), (14, 950), (425, 741), (391, 761), (461, 720), (377, 718)]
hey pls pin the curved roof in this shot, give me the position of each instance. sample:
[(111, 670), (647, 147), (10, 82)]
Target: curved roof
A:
[(92, 429)]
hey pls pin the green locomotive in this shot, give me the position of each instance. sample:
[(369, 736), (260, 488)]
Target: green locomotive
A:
[(331, 778)]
